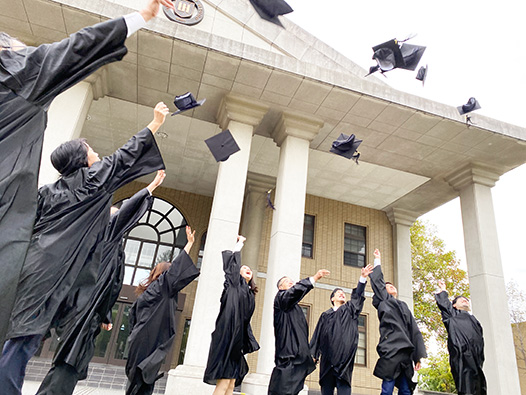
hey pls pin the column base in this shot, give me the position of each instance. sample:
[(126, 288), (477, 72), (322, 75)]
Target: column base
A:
[(186, 379), (257, 384)]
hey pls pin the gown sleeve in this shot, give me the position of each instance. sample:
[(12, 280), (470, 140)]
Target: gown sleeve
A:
[(181, 273), (314, 345), (138, 157), (231, 267), (130, 212), (417, 340), (357, 299), (40, 74), (378, 285), (444, 304), (290, 297)]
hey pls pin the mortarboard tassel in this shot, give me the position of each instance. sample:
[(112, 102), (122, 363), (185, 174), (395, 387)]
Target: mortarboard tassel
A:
[(469, 122), (356, 156), (269, 202)]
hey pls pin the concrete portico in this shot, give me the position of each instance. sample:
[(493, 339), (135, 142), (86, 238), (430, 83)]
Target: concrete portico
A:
[(286, 97)]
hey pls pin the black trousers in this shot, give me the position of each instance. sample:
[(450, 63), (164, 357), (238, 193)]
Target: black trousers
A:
[(331, 382), (60, 380), (138, 387), (16, 354)]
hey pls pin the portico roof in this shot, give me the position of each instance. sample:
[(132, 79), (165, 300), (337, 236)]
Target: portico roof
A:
[(410, 143)]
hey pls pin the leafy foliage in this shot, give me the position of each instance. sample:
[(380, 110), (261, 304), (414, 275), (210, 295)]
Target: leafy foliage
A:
[(517, 306), (431, 262), (437, 375)]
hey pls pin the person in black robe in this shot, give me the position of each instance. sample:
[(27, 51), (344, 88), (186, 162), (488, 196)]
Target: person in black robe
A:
[(465, 343), (62, 263), (30, 78), (77, 345), (292, 354), (154, 313), (401, 343), (336, 338), (232, 337)]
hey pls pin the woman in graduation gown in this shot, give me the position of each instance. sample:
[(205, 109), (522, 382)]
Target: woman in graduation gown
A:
[(77, 344), (154, 313), (232, 337), (62, 263), (30, 78)]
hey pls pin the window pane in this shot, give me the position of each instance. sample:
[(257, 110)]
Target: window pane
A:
[(147, 254), (140, 274), (131, 250), (164, 254), (306, 251), (103, 339), (144, 232), (121, 351), (128, 274)]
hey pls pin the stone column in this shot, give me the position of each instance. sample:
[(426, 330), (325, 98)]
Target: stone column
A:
[(254, 215), (402, 220), (293, 134), (486, 280), (239, 115), (66, 118)]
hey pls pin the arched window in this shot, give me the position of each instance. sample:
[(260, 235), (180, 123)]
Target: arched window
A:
[(158, 236)]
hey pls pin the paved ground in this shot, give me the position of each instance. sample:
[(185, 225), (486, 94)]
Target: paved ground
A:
[(31, 387)]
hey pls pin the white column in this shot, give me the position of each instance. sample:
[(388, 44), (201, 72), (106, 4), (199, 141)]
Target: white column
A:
[(293, 135), (402, 220), (66, 117), (486, 280), (254, 215), (239, 115)]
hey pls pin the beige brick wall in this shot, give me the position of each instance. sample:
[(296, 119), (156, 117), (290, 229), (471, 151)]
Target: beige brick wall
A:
[(330, 216)]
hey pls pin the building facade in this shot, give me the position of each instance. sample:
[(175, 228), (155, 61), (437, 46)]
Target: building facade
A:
[(285, 96)]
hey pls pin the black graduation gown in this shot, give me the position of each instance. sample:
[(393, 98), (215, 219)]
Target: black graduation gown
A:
[(29, 80), (401, 342), (465, 345), (77, 344), (232, 337), (152, 321), (293, 360), (336, 337), (63, 259)]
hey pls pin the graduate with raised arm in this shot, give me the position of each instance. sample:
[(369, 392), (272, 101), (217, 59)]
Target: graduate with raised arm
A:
[(77, 344), (465, 343), (401, 343), (30, 78), (153, 314), (62, 263), (292, 355), (232, 337), (336, 338)]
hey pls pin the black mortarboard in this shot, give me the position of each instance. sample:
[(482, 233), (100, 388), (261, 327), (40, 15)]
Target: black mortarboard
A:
[(471, 105), (346, 146), (222, 145), (388, 55), (422, 74), (270, 9), (186, 102), (412, 55)]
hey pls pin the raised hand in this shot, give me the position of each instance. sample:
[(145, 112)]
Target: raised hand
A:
[(377, 254), (321, 273), (190, 237), (158, 180), (441, 285), (159, 115), (367, 270), (152, 8)]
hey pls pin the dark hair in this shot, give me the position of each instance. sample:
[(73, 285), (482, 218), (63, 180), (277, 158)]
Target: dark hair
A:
[(457, 298), (280, 280), (334, 293), (388, 282), (252, 285), (70, 156), (156, 272)]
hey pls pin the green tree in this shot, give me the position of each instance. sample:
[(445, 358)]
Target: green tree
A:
[(436, 376), (432, 262)]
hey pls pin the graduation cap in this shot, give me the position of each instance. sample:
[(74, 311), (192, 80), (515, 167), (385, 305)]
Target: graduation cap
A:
[(471, 105), (222, 145), (422, 74), (186, 102), (412, 55), (390, 55), (270, 9), (346, 146)]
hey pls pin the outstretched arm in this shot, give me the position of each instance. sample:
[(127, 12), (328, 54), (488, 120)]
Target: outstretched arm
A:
[(159, 116), (377, 280), (290, 297), (152, 8), (190, 237), (357, 298), (443, 302), (158, 180)]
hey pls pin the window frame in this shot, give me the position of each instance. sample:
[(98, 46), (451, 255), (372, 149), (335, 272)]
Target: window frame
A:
[(303, 243), (362, 330), (355, 238)]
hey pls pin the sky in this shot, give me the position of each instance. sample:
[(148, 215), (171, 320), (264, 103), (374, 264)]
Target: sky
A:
[(474, 48)]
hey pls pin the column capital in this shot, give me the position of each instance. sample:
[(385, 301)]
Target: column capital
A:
[(234, 107), (259, 182), (474, 173), (296, 124), (99, 83), (398, 216)]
